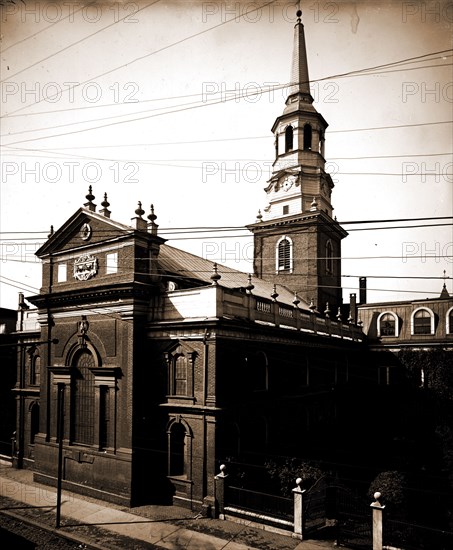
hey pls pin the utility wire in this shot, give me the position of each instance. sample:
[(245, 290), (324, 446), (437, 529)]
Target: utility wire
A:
[(11, 115), (42, 153), (77, 42), (164, 111), (71, 14), (140, 58), (194, 104), (208, 228), (313, 287), (217, 140)]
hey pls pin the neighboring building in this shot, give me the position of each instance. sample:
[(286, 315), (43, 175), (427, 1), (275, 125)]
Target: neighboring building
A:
[(26, 390), (406, 325), (8, 377)]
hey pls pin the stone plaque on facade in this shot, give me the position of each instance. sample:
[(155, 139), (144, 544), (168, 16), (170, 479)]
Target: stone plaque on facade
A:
[(85, 267)]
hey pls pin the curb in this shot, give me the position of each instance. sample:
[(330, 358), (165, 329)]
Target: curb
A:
[(71, 538)]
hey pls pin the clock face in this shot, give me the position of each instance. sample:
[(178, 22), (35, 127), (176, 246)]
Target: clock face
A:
[(288, 182)]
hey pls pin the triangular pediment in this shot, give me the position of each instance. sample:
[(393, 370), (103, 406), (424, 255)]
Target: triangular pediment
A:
[(83, 229)]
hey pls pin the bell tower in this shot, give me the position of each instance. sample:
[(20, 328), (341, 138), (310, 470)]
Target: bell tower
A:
[(296, 241)]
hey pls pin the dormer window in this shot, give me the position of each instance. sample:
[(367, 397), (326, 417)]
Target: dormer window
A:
[(449, 321), (422, 321), (387, 324), (289, 138)]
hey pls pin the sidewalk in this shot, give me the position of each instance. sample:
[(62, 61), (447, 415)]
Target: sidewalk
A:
[(104, 525)]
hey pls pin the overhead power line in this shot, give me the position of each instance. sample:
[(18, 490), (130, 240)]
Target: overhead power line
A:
[(208, 228), (19, 285), (10, 77), (164, 111), (140, 58)]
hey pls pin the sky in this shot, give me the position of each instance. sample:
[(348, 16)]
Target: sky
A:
[(172, 103)]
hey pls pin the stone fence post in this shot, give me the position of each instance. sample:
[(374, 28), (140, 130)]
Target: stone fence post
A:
[(299, 520), (378, 509), (219, 492)]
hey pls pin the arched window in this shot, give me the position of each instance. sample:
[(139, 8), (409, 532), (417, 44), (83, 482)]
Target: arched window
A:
[(180, 365), (422, 321), (307, 136), (449, 321), (35, 370), (329, 257), (289, 138), (284, 254), (34, 421), (82, 399), (177, 450), (387, 324), (321, 143)]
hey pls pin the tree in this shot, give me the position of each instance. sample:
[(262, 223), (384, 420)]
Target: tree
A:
[(391, 485), (288, 470)]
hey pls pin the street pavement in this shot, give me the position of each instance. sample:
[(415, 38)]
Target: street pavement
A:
[(161, 526)]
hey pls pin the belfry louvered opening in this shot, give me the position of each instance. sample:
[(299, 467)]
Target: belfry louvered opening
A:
[(284, 255)]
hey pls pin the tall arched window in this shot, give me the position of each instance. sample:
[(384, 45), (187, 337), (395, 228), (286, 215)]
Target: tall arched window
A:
[(284, 254), (289, 138), (329, 257), (180, 375), (307, 136), (35, 370), (422, 321), (82, 399), (177, 450)]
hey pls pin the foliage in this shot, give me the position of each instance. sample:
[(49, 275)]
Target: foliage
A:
[(436, 366), (391, 485), (288, 470)]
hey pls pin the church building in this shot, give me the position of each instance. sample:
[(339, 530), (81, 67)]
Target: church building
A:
[(156, 365)]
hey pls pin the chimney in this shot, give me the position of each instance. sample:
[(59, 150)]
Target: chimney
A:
[(353, 309), (362, 290), (21, 312)]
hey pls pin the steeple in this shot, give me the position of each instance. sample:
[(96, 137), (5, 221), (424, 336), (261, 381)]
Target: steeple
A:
[(297, 242), (300, 82), (299, 144)]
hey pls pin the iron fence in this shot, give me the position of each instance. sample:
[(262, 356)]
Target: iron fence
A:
[(281, 508), (400, 534)]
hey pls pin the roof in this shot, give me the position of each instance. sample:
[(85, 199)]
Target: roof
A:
[(184, 264)]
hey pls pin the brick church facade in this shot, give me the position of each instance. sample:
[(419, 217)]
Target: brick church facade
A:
[(152, 366)]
